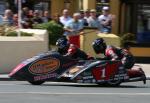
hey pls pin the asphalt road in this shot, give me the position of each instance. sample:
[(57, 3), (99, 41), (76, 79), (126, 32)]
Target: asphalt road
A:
[(23, 92)]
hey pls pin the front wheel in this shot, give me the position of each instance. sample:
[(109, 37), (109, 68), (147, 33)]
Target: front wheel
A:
[(114, 83), (36, 82)]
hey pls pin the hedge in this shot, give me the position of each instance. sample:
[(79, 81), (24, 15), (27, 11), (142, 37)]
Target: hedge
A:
[(55, 30)]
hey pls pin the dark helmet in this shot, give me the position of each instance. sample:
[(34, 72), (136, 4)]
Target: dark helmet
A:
[(99, 45), (62, 44)]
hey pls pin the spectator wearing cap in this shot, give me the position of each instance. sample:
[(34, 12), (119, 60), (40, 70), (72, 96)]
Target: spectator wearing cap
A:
[(74, 26), (82, 19), (65, 17), (86, 14), (105, 20), (93, 20)]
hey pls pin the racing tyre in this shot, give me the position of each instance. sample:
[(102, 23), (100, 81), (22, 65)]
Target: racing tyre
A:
[(114, 83), (36, 82)]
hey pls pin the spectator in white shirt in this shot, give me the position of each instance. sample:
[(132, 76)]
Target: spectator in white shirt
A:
[(86, 14), (93, 20), (82, 19), (105, 20), (74, 26), (65, 17), (8, 17)]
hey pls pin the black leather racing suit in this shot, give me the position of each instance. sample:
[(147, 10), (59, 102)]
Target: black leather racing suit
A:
[(113, 53)]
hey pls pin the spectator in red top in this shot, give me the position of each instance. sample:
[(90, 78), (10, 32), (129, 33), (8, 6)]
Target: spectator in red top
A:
[(113, 53)]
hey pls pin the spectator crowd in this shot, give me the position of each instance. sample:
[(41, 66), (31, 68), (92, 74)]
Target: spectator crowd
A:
[(72, 24)]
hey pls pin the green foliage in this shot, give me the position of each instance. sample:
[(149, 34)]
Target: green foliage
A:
[(14, 33), (11, 31), (128, 39), (55, 30)]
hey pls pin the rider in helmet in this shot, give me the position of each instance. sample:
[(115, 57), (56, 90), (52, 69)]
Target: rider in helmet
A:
[(65, 48), (63, 45), (113, 53)]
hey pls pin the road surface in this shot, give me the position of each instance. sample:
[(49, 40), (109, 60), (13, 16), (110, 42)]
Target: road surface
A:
[(52, 92)]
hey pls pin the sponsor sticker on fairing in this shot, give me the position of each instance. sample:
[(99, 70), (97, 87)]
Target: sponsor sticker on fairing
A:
[(44, 66), (43, 77)]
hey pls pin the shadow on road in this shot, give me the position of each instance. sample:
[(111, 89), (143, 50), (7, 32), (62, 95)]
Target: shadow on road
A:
[(92, 85)]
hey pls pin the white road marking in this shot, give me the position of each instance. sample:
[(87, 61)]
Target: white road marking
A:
[(7, 84), (46, 93)]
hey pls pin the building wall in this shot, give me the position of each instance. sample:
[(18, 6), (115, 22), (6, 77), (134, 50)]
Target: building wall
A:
[(57, 6), (89, 4), (114, 9)]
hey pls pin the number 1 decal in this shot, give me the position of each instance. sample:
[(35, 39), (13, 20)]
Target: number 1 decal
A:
[(100, 73), (103, 73)]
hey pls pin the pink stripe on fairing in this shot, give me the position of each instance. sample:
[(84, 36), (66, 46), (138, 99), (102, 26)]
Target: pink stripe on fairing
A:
[(16, 69)]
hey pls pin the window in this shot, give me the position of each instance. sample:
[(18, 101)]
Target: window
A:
[(42, 6), (137, 19), (100, 4), (143, 23)]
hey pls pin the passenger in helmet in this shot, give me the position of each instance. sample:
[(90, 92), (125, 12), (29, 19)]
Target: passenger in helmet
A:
[(67, 49), (113, 53)]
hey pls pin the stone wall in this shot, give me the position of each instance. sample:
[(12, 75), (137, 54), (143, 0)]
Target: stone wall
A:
[(14, 50)]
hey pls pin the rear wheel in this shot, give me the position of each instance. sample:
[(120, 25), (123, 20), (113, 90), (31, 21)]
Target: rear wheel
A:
[(36, 82)]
